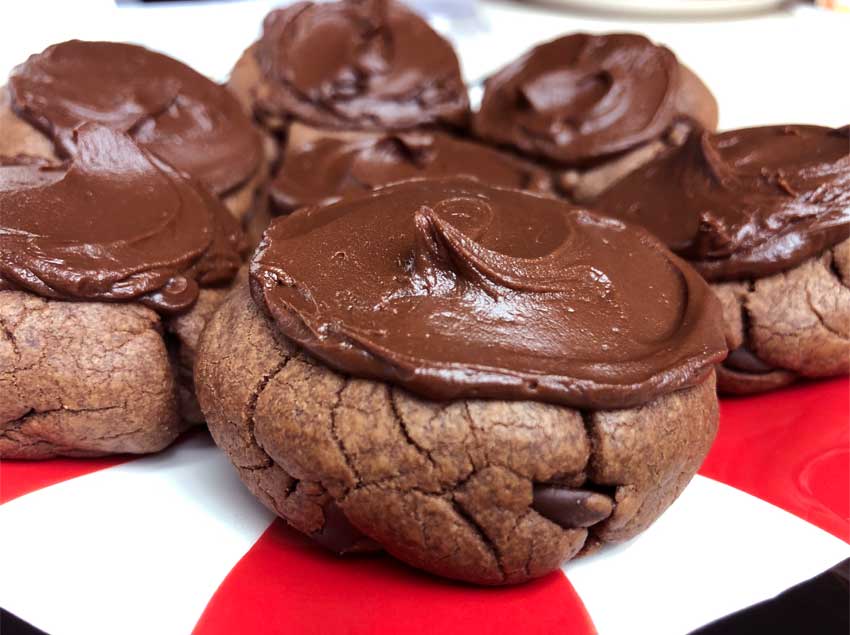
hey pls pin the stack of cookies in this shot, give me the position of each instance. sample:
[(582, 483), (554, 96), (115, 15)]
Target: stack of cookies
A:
[(484, 343)]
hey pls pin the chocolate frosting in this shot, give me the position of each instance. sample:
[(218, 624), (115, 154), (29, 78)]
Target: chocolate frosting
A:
[(581, 97), (178, 114), (359, 64), (455, 289), (116, 224), (744, 203), (323, 170)]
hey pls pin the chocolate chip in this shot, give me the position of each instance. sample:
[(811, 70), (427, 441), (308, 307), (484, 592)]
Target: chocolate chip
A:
[(339, 535), (571, 508), (742, 359)]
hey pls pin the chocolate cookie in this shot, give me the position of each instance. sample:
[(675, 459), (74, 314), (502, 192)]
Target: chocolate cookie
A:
[(353, 65), (764, 215), (484, 398), (319, 166), (110, 264), (182, 117), (595, 106)]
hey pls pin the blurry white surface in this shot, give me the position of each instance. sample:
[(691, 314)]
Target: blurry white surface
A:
[(786, 67), (781, 67), (673, 7)]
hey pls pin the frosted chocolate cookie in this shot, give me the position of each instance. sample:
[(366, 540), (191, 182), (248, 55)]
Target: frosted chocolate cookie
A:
[(110, 264), (179, 115), (351, 65), (482, 382), (320, 166), (764, 215), (595, 106)]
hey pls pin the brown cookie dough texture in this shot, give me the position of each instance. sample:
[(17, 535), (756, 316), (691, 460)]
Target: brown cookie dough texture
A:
[(92, 378), (182, 334), (19, 137), (789, 325), (596, 106), (82, 379), (450, 487)]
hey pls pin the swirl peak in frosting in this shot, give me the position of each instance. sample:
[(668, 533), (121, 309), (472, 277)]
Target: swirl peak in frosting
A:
[(115, 224), (455, 289), (581, 97), (175, 112), (322, 169), (359, 64), (743, 203)]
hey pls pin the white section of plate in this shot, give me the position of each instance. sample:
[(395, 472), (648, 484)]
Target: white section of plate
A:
[(715, 551), (136, 548)]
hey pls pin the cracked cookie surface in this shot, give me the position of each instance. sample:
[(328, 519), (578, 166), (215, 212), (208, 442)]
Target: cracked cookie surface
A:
[(788, 326), (486, 491), (82, 379), (91, 378)]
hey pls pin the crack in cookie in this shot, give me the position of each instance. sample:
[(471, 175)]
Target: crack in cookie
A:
[(796, 323)]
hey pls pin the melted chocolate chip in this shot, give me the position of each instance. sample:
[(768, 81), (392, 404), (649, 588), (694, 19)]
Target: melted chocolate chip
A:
[(744, 360), (339, 535), (571, 508)]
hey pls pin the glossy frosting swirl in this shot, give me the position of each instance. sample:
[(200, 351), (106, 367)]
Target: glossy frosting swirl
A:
[(358, 64), (452, 289), (325, 168), (582, 97), (178, 114), (116, 224), (744, 203)]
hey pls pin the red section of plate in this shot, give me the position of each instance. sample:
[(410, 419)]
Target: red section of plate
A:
[(791, 448), (284, 584), (22, 477)]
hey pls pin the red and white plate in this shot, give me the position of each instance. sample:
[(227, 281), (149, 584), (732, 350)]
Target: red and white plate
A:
[(174, 544)]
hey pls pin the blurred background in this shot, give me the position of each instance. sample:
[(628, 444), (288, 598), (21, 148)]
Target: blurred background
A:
[(767, 61)]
